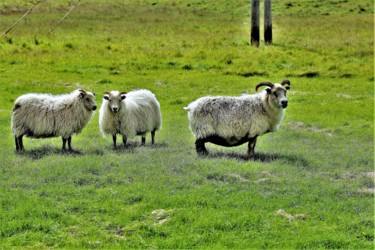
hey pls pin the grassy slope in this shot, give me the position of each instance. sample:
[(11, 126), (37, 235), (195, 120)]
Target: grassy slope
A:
[(316, 165)]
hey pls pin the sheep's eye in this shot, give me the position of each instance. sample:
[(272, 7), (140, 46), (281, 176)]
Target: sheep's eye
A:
[(275, 94), (87, 99)]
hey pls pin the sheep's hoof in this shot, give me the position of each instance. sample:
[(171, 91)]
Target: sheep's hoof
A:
[(74, 152), (202, 152), (251, 154), (70, 151)]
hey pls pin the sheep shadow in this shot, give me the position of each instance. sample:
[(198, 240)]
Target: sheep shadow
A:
[(132, 146), (44, 151), (258, 157)]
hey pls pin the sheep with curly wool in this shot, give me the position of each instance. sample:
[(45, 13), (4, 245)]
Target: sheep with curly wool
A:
[(45, 115), (231, 121), (130, 114)]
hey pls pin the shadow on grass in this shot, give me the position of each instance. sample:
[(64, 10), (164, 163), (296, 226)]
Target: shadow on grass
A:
[(44, 151), (130, 147), (260, 157)]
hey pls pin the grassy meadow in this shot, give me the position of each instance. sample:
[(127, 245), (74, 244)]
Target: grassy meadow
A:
[(310, 185)]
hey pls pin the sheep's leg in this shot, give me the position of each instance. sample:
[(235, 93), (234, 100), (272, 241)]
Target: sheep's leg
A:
[(18, 142), (114, 141), (124, 139), (251, 146), (70, 143), (143, 140), (64, 143), (153, 137), (200, 147)]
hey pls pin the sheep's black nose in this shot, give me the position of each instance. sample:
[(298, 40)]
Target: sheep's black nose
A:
[(284, 103), (94, 107), (114, 110)]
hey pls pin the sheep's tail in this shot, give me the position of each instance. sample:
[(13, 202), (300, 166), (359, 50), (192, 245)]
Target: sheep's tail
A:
[(186, 108)]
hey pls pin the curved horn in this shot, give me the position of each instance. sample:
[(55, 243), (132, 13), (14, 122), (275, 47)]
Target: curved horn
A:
[(286, 82), (81, 93), (268, 84)]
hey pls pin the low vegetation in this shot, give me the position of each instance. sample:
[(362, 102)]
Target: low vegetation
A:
[(310, 185)]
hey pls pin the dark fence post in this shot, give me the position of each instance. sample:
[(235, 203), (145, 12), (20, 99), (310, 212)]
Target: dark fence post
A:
[(268, 22), (255, 9)]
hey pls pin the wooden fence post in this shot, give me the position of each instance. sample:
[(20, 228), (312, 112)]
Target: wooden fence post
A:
[(255, 9), (268, 22)]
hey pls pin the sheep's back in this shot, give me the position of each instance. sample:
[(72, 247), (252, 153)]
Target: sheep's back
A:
[(143, 103), (45, 115), (30, 115), (142, 113), (225, 116)]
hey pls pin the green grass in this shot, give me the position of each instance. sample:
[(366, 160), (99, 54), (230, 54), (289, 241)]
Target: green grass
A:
[(317, 168)]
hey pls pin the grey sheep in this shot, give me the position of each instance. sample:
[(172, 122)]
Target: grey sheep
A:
[(232, 121)]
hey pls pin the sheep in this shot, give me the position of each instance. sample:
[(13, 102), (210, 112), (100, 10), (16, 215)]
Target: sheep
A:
[(232, 121), (45, 115), (130, 114)]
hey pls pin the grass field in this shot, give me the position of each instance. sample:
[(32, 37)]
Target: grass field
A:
[(311, 184)]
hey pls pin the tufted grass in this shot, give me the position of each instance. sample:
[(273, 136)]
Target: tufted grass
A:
[(310, 185)]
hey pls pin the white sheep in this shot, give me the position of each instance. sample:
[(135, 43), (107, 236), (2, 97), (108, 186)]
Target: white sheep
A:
[(130, 114), (232, 121), (46, 115)]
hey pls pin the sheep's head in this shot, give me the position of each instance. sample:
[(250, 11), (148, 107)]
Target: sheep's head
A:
[(88, 99), (114, 99), (277, 92)]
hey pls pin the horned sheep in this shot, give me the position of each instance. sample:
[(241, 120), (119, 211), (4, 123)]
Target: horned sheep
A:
[(45, 115), (232, 121), (130, 114)]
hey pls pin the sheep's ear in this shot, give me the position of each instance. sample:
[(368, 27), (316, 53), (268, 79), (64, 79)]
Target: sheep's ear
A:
[(123, 95), (106, 96), (287, 87), (94, 93), (269, 91)]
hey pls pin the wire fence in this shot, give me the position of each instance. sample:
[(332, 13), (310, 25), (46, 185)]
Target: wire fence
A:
[(73, 6)]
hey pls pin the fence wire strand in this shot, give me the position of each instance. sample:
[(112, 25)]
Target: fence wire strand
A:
[(62, 19), (24, 15)]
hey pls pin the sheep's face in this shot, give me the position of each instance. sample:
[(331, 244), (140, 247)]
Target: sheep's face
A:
[(88, 100), (277, 95), (114, 99)]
